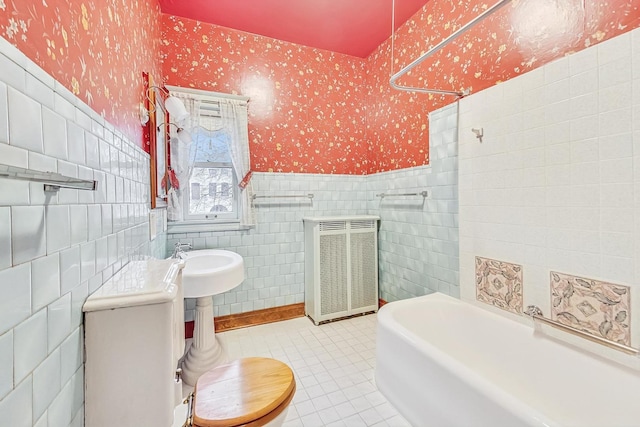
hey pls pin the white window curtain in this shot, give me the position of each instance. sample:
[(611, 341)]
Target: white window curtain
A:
[(234, 122), (181, 163), (234, 118)]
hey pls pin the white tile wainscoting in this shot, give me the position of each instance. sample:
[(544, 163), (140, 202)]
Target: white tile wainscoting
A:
[(55, 249), (418, 239), (273, 251)]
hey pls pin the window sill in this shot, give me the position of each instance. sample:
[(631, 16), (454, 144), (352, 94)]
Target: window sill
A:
[(204, 226)]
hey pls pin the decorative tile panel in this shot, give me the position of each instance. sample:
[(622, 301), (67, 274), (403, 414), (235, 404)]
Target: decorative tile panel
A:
[(599, 308), (499, 283)]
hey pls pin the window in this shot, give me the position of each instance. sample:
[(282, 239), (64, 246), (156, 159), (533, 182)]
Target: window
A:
[(212, 183), (206, 188)]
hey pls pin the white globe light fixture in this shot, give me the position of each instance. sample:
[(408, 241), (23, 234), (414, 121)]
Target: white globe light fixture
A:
[(176, 109)]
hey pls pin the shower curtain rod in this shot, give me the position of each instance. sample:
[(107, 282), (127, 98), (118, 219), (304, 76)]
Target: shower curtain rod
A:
[(443, 43)]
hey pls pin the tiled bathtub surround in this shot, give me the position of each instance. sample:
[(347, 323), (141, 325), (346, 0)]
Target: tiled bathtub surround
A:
[(600, 308), (418, 239), (499, 284), (555, 184), (57, 248)]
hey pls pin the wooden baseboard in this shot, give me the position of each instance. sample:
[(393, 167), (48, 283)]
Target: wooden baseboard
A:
[(251, 318), (381, 302)]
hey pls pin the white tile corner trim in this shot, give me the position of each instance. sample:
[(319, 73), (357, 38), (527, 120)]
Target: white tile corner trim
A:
[(55, 248)]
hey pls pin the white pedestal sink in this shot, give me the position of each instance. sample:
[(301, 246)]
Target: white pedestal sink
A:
[(206, 273)]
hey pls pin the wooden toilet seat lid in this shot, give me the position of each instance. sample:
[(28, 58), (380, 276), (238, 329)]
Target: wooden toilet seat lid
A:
[(241, 392)]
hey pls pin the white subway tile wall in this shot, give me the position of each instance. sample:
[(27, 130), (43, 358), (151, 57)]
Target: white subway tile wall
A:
[(56, 248), (46, 383), (4, 116), (555, 186), (25, 121), (17, 407), (29, 345), (28, 233), (6, 364), (15, 304), (45, 281), (5, 237)]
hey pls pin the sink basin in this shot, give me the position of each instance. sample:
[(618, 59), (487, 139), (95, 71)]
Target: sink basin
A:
[(210, 272)]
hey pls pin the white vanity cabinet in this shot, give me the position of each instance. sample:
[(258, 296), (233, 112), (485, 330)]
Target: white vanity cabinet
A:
[(134, 337), (341, 266)]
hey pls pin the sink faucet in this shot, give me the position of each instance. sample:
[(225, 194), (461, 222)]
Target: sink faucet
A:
[(178, 251)]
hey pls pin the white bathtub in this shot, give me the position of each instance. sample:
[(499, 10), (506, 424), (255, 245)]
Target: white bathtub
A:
[(444, 362)]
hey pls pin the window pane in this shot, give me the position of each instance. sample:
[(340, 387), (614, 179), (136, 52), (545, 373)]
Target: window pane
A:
[(225, 188), (210, 147), (212, 178), (195, 191)]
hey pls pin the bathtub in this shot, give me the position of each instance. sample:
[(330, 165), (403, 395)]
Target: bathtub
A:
[(444, 362)]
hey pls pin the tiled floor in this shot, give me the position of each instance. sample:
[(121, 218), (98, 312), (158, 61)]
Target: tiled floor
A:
[(333, 365)]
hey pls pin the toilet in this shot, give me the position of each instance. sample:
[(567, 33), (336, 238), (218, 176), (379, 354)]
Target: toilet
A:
[(252, 392), (130, 372)]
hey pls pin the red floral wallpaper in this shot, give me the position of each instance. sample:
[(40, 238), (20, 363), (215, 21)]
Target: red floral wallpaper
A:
[(311, 110), (98, 49), (519, 37), (306, 112), (318, 112)]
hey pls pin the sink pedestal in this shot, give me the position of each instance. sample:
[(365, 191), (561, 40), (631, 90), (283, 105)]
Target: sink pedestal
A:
[(205, 352), (207, 272)]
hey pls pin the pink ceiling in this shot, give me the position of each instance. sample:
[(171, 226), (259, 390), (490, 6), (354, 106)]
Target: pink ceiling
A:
[(353, 27)]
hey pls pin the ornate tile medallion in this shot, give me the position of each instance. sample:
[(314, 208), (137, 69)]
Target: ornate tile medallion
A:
[(593, 306), (499, 283)]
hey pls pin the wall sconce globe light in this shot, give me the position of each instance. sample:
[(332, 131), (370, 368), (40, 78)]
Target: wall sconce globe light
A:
[(176, 109), (172, 105)]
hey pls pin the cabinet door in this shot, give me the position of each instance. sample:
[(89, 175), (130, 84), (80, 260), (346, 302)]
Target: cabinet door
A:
[(364, 270), (333, 274)]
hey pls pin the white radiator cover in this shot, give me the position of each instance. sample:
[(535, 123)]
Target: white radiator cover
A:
[(341, 266)]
